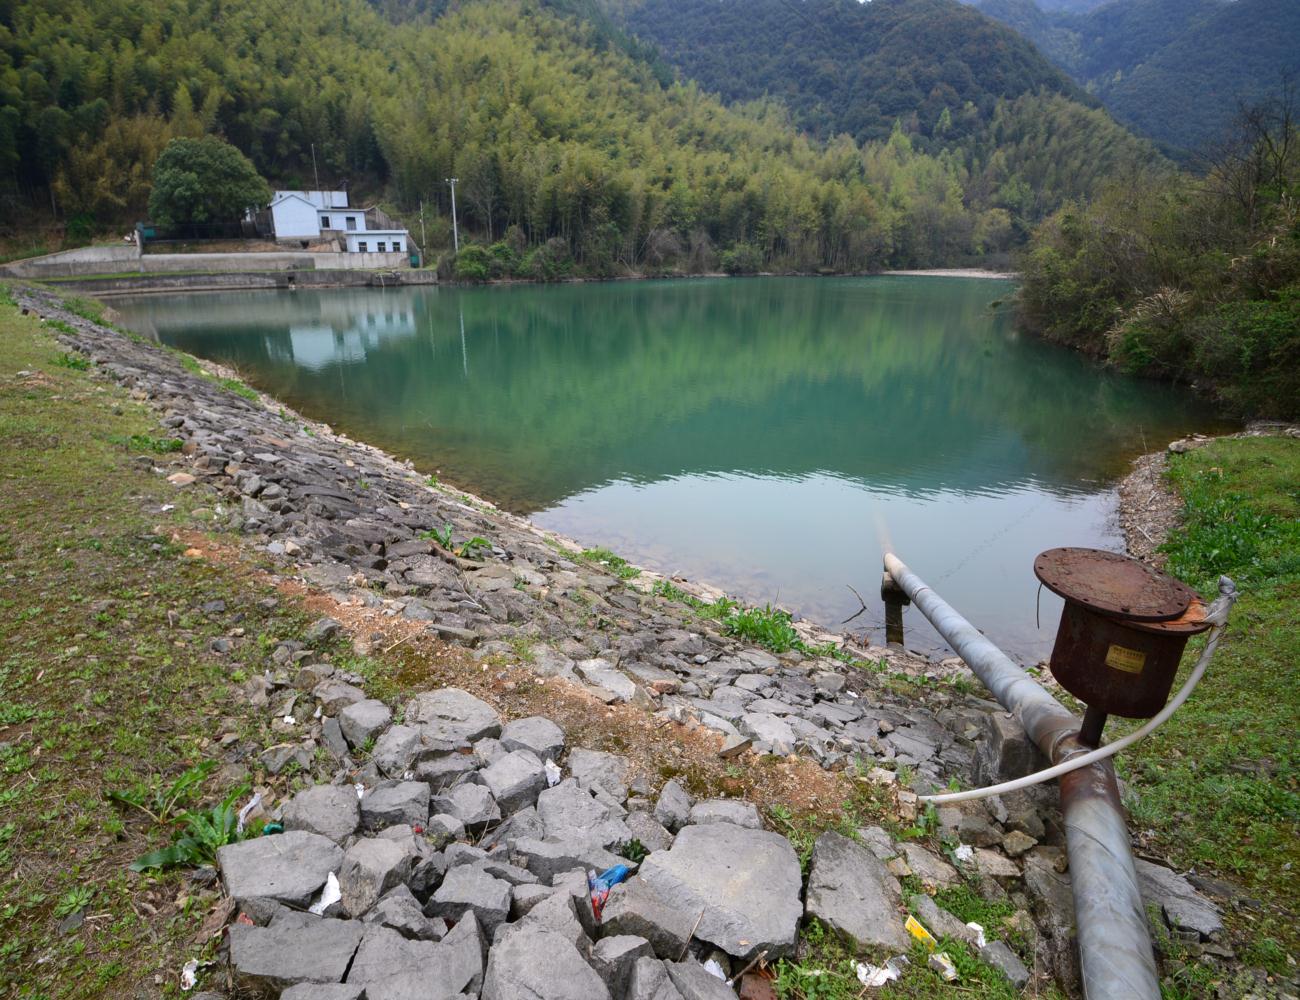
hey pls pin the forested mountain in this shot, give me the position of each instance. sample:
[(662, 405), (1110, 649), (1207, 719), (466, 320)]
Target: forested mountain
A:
[(842, 66), (570, 143), (1175, 70)]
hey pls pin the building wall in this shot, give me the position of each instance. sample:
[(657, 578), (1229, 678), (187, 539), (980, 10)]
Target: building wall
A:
[(294, 219), (83, 260), (338, 219), (396, 241)]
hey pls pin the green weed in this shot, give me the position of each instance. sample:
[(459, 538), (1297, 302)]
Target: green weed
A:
[(617, 565), (73, 361)]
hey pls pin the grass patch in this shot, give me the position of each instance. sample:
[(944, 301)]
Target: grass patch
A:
[(617, 565), (239, 388), (73, 362), (147, 442), (1216, 787)]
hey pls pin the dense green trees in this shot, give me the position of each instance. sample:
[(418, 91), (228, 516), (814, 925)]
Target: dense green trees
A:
[(1189, 278), (204, 180), (1175, 70)]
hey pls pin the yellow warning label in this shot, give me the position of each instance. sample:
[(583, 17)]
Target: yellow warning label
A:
[(1131, 661)]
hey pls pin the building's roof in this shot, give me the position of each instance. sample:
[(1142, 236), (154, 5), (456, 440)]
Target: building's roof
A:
[(283, 196)]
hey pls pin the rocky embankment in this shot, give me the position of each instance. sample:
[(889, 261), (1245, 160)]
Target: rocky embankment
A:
[(445, 850)]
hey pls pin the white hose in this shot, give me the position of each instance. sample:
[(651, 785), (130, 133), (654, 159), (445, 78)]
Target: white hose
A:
[(1218, 614)]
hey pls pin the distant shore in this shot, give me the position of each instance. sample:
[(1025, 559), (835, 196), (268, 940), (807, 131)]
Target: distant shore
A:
[(957, 272)]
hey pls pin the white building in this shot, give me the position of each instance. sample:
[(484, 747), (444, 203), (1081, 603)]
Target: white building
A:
[(326, 215)]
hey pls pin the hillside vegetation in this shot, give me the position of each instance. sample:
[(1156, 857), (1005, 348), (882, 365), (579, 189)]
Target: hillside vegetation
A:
[(1189, 278), (1174, 70), (571, 144)]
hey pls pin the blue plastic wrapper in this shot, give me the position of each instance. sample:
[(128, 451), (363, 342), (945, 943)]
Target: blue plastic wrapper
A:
[(602, 883)]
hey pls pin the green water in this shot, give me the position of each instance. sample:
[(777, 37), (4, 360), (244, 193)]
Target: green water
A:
[(760, 434)]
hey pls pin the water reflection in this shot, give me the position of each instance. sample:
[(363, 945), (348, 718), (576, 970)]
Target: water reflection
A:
[(745, 432)]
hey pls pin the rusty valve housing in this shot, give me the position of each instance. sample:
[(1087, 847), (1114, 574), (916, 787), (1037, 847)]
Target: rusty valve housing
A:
[(1122, 631)]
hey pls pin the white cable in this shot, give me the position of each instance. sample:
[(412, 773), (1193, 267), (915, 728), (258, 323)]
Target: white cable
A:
[(1218, 614)]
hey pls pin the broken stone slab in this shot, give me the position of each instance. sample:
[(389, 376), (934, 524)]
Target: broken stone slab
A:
[(468, 889), (530, 961), (746, 884), (570, 812), (852, 892), (452, 715), (635, 908), (515, 779), (266, 960), (548, 858), (288, 867), (648, 830), (335, 695), (395, 803), (536, 734), (650, 981), (558, 913), (472, 804), (402, 912), (390, 967), (364, 720), (613, 958), (939, 921), (394, 751), (329, 810), (1002, 958), (694, 982), (726, 811), (673, 809), (445, 769), (602, 674), (597, 769), (371, 867), (769, 729), (930, 869), (1183, 907)]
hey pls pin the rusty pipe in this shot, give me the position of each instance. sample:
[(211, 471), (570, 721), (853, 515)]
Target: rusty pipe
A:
[(1115, 954)]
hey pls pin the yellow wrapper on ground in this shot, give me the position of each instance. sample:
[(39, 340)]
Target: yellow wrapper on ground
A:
[(918, 931)]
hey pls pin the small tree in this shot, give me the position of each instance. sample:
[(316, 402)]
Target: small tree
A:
[(204, 180)]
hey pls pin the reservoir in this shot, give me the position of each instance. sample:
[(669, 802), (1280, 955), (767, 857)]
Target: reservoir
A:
[(760, 434)]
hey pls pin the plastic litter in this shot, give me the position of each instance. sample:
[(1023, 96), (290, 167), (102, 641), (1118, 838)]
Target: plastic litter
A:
[(714, 969), (249, 806), (964, 853), (361, 790), (978, 931), (942, 964), (189, 974), (271, 828), (918, 931), (602, 883), (552, 773), (876, 976), (330, 895)]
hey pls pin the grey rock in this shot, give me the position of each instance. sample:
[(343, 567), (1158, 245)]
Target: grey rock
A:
[(277, 957), (317, 991), (526, 823), (998, 955), (335, 695), (364, 720), (289, 867), (648, 830), (445, 769), (549, 858), (597, 769), (769, 729), (1183, 907), (558, 913), (540, 735), (332, 736), (726, 811), (693, 982), (613, 958), (673, 809), (852, 892), (635, 908), (392, 804), (928, 867), (515, 780), (467, 889), (489, 750), (650, 981), (452, 715), (370, 868), (395, 750), (443, 828), (322, 629), (401, 911), (391, 967), (329, 810), (473, 805), (528, 961), (939, 921), (570, 812), (601, 674), (746, 882)]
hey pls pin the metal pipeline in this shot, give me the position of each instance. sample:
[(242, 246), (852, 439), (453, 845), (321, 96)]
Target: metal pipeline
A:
[(1115, 954)]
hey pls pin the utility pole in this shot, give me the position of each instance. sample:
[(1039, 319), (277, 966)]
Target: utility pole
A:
[(423, 242), (455, 233), (315, 173)]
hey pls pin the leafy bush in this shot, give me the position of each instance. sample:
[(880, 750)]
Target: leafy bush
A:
[(473, 263), (743, 258), (767, 626), (204, 180)]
